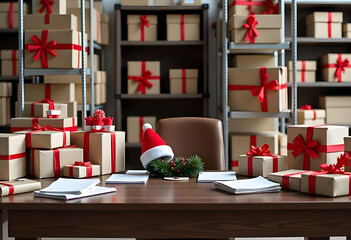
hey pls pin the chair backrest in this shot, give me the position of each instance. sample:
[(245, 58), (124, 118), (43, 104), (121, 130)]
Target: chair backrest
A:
[(191, 135)]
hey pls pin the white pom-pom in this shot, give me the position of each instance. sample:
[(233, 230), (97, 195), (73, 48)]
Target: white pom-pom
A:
[(146, 126)]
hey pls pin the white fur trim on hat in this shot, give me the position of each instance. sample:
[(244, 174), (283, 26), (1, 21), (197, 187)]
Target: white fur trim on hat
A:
[(163, 151), (146, 126)]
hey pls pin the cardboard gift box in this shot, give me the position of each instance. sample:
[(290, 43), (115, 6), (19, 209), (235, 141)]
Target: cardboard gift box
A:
[(46, 139), (106, 149), (164, 2), (346, 30), (306, 71), (38, 109), (57, 6), (9, 14), (324, 25), (27, 123), (136, 2), (289, 179), (96, 63), (337, 109), (81, 170), (183, 27), (9, 62), (12, 156), (100, 93), (5, 111), (183, 81), (311, 146), (56, 92), (308, 116), (246, 7), (77, 3), (255, 28), (23, 185), (71, 109), (336, 67), (57, 22), (99, 77), (283, 143), (143, 77), (105, 36), (65, 54), (142, 27), (347, 148), (49, 163), (135, 127), (5, 89), (245, 85), (191, 2), (250, 61)]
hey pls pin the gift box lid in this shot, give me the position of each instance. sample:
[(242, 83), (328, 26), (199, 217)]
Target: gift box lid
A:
[(264, 21), (309, 114), (334, 101), (57, 22), (333, 58), (12, 143), (322, 17), (6, 54), (59, 36), (135, 19), (188, 18), (240, 76), (4, 7), (286, 172), (346, 27), (177, 73), (104, 18), (134, 68), (309, 65)]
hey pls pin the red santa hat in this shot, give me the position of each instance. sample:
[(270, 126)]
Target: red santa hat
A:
[(153, 147)]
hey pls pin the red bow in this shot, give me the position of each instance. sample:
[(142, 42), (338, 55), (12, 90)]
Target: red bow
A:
[(85, 164), (271, 7), (143, 81), (50, 102), (46, 5), (144, 21), (95, 130), (53, 116), (340, 67), (259, 151), (306, 107), (309, 148), (252, 32), (342, 161)]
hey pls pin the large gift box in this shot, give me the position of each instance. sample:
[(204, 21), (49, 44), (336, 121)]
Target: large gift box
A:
[(81, 170), (183, 81), (346, 30), (336, 67), (104, 29), (246, 7), (255, 28), (250, 61), (143, 77), (100, 93), (12, 156), (106, 149), (311, 146), (142, 27), (135, 127), (324, 25), (39, 109), (5, 89), (337, 109), (5, 111), (165, 2), (306, 71), (56, 92), (9, 14), (27, 123), (49, 163), (66, 53), (258, 89), (77, 4), (136, 2), (9, 62), (71, 109), (57, 22), (48, 7), (47, 138), (289, 179), (183, 27), (309, 116), (21, 186), (99, 77)]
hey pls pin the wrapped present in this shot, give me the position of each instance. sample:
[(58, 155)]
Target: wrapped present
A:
[(22, 185), (135, 127), (289, 179), (337, 109), (310, 146), (246, 7), (183, 81), (346, 30), (255, 28), (183, 27), (191, 2), (143, 77), (71, 109), (5, 89), (9, 14), (77, 3), (250, 61), (50, 7), (347, 149), (142, 27), (306, 71), (258, 89), (57, 92), (99, 77), (260, 162), (100, 93), (105, 36), (27, 123), (283, 143), (57, 22), (106, 149), (5, 111), (308, 116), (9, 62), (324, 25), (136, 2), (96, 64), (40, 108), (49, 163), (99, 122), (12, 156), (81, 170), (336, 67), (62, 49)]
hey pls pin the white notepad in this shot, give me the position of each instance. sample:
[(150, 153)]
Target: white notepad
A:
[(128, 178), (70, 186), (209, 177)]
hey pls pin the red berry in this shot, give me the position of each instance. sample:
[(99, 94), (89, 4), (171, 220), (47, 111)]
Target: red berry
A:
[(171, 162), (162, 161), (187, 160), (182, 159), (178, 170), (174, 165), (172, 168), (183, 164)]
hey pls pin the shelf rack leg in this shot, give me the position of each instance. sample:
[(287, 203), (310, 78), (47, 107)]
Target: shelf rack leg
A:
[(293, 60), (20, 55), (92, 75), (84, 76)]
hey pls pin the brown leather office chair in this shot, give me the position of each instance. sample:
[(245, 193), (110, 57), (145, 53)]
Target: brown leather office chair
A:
[(195, 135)]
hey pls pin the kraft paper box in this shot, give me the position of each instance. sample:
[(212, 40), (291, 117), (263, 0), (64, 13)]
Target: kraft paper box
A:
[(13, 151), (104, 29), (346, 30), (66, 58), (135, 127), (261, 165), (183, 81), (80, 171), (71, 109), (9, 62), (96, 62), (49, 163), (337, 109), (240, 7), (311, 117), (324, 25), (136, 2), (189, 31), (5, 89), (6, 22), (252, 125), (135, 69), (21, 186), (26, 123), (58, 6), (57, 22), (269, 28), (99, 77), (164, 2), (283, 143), (5, 111), (138, 31), (347, 148), (102, 148), (100, 93), (40, 109), (249, 61), (306, 71), (330, 70), (327, 135), (57, 92), (46, 139), (243, 100), (289, 179), (190, 2), (77, 4)]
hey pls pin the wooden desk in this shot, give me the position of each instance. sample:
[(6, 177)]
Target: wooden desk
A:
[(164, 209)]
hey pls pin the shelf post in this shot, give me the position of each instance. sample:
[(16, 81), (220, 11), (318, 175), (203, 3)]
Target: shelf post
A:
[(20, 57), (92, 75), (294, 60), (84, 76), (282, 51)]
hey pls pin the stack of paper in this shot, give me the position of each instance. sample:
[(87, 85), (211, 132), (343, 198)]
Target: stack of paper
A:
[(67, 189), (131, 176), (210, 177), (254, 185)]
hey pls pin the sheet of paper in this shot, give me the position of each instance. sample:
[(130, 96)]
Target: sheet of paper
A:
[(137, 172), (72, 186), (128, 178), (209, 177)]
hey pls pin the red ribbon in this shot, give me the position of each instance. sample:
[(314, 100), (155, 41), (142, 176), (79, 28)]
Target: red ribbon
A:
[(252, 32), (11, 15), (144, 23), (309, 107), (89, 168), (50, 102), (260, 151), (261, 91), (96, 131), (47, 91), (330, 19), (12, 156), (37, 128), (10, 186), (271, 7), (303, 71), (143, 80), (182, 26), (253, 140), (340, 66), (184, 81), (248, 3), (86, 147), (14, 63), (69, 129), (141, 132), (235, 163), (46, 6), (286, 177)]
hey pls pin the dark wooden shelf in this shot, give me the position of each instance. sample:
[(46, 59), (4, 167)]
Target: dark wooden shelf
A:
[(161, 8), (321, 41), (160, 96), (12, 78), (8, 31), (161, 43), (319, 3), (319, 84), (133, 145)]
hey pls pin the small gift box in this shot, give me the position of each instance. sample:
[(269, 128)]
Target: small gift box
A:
[(57, 22), (324, 25), (260, 162), (142, 27), (108, 124), (56, 92), (49, 163), (346, 30), (255, 28), (289, 179), (246, 7), (40, 108), (104, 29), (21, 186), (258, 89), (99, 78), (308, 116), (306, 71), (9, 62), (336, 67), (100, 93), (5, 89), (12, 156), (81, 170), (5, 111), (183, 27), (9, 14), (337, 109), (136, 2), (50, 7), (310, 146), (251, 61), (135, 127), (143, 77), (27, 123), (183, 81)]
